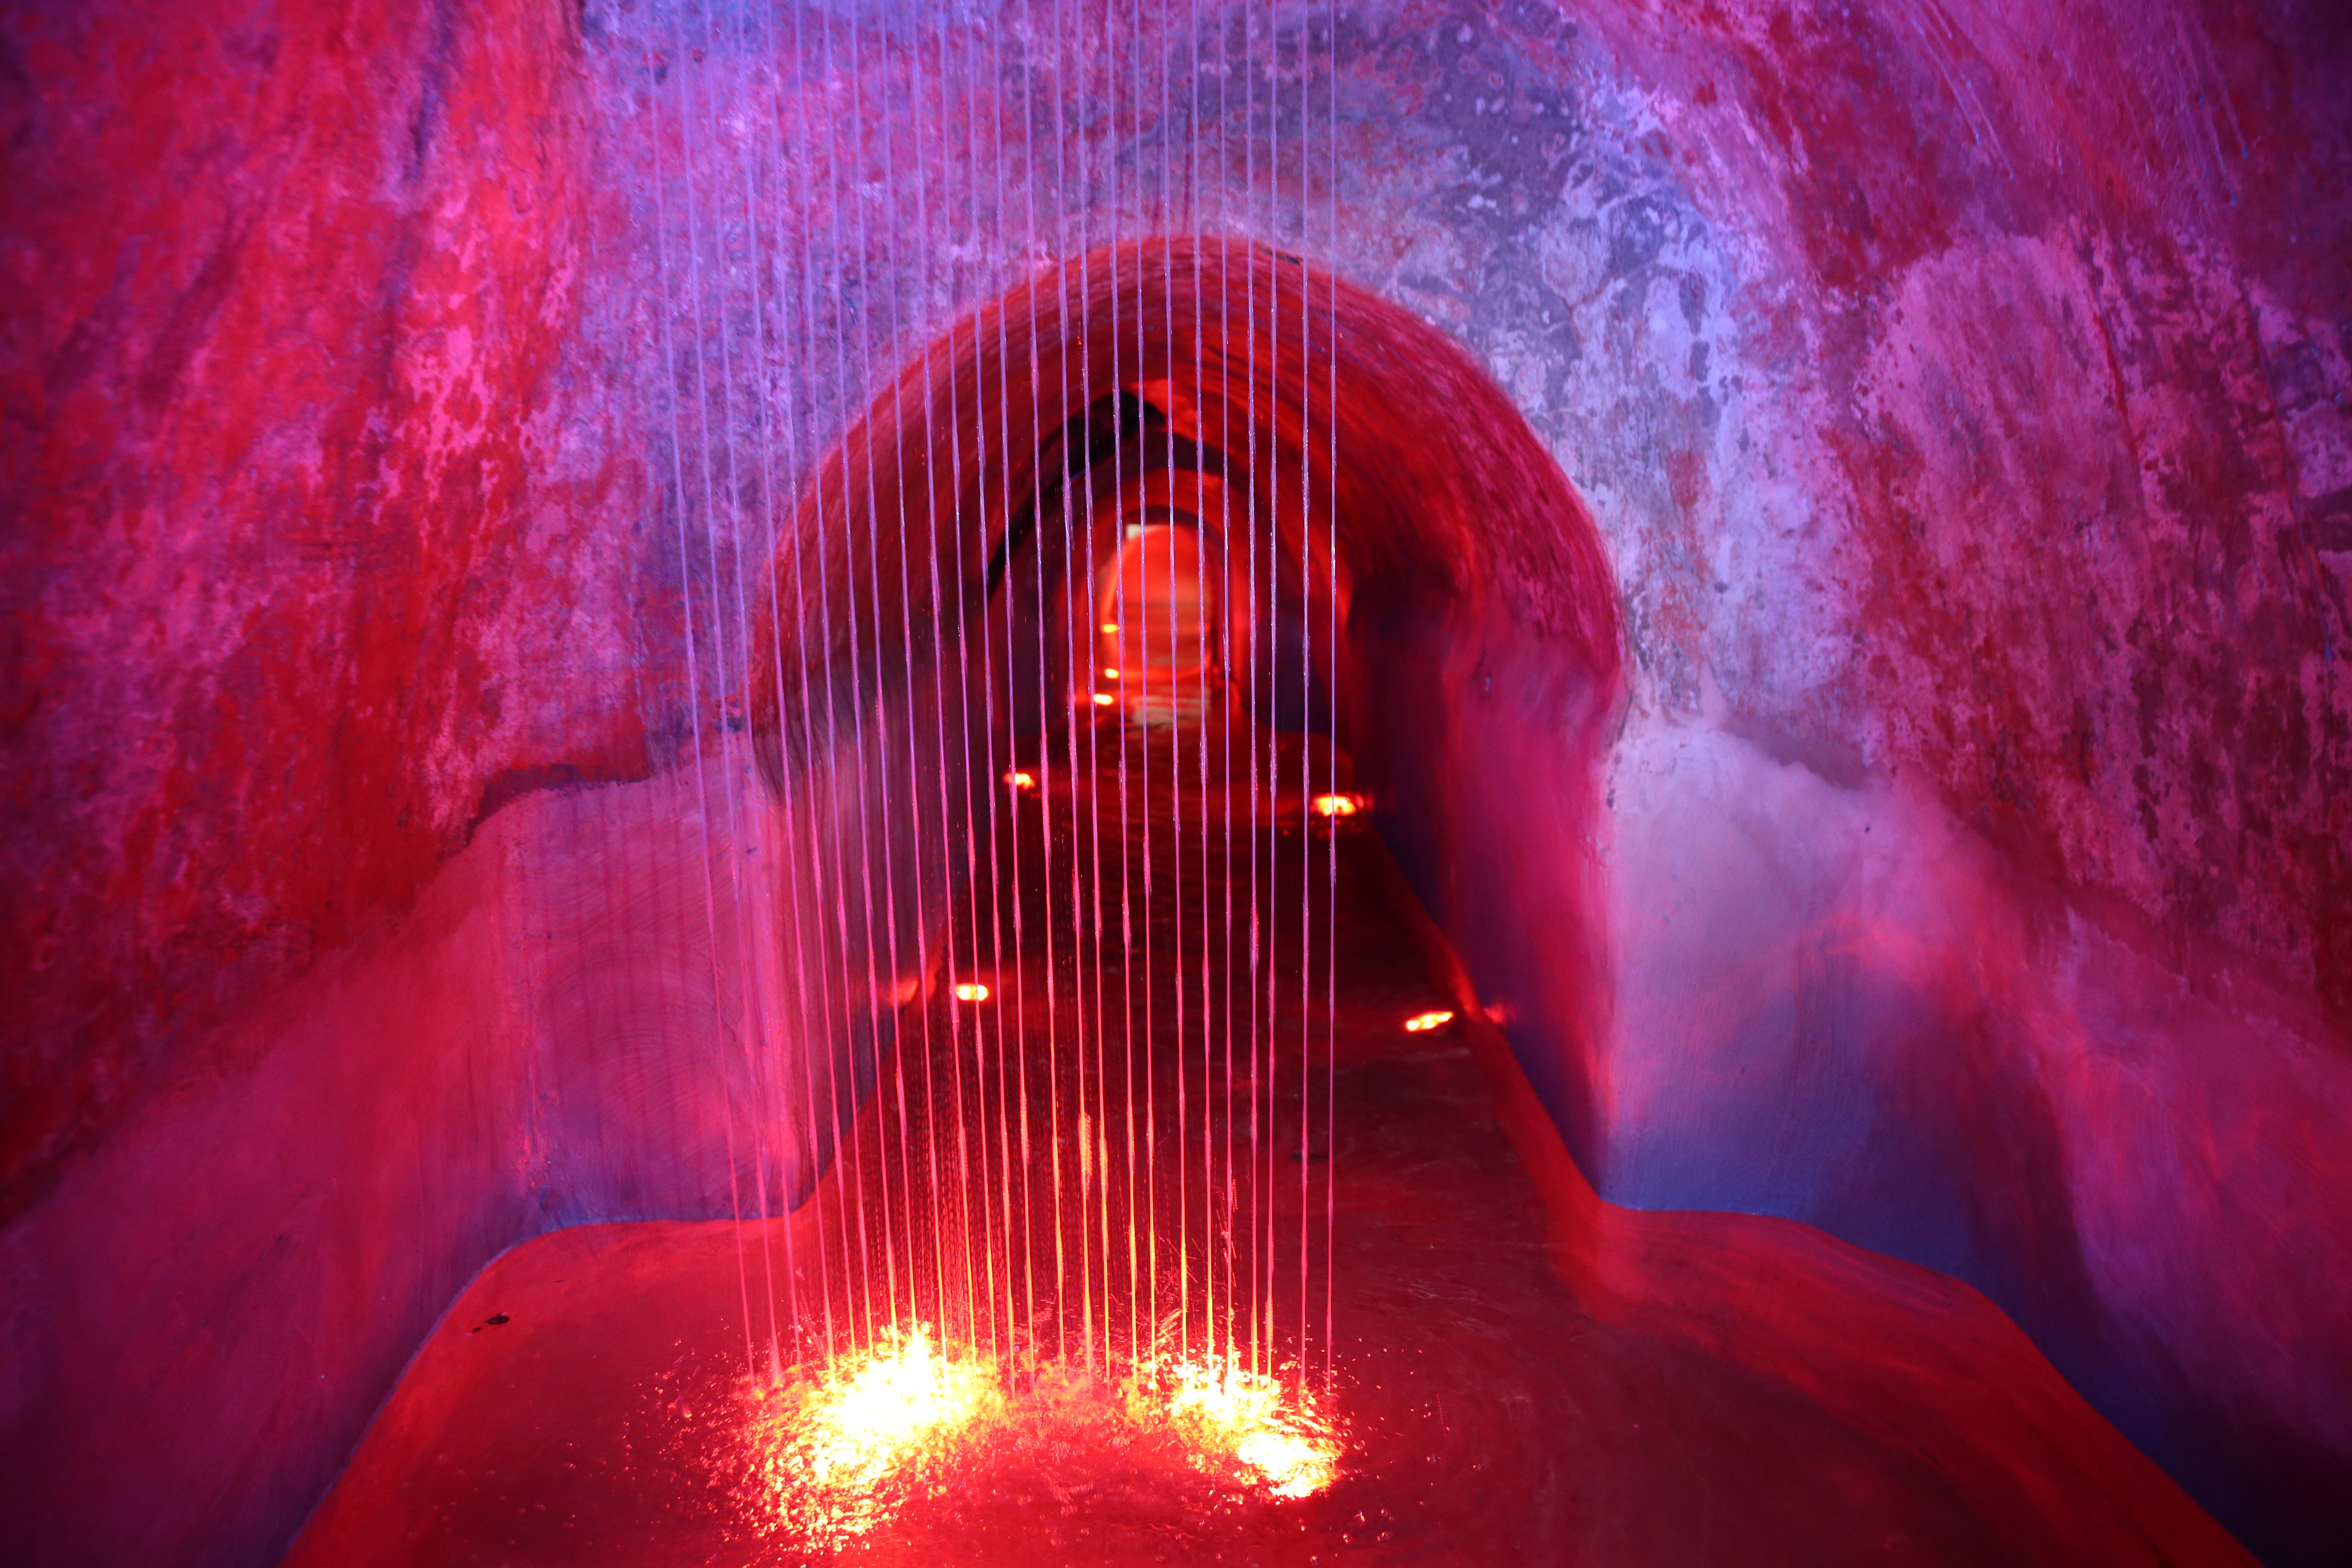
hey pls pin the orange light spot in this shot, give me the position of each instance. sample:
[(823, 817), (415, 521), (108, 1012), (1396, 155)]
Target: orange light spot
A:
[(1337, 806), (1421, 1022), (1103, 698), (972, 991), (1019, 779), (830, 1444), (1233, 1415), (1111, 627), (1112, 673), (839, 1449)]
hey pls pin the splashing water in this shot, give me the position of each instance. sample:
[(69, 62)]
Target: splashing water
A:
[(1232, 1414), (838, 1453), (830, 1445)]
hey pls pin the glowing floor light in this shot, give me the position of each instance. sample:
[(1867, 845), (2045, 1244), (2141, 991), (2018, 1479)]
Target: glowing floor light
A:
[(1020, 779), (832, 1441), (972, 991), (1231, 1414), (1421, 1023), (843, 1448), (1337, 804), (1102, 700)]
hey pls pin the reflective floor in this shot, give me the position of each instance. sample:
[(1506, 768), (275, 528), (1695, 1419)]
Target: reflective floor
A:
[(1048, 1305)]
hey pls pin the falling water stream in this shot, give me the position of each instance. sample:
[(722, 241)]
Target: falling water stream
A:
[(1096, 1036)]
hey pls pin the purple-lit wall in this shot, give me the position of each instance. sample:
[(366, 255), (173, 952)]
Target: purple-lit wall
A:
[(1960, 392)]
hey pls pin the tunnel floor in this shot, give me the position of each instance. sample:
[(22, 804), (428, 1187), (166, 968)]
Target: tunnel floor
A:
[(1517, 1372)]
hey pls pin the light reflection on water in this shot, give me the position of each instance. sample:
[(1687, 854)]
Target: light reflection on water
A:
[(836, 1452)]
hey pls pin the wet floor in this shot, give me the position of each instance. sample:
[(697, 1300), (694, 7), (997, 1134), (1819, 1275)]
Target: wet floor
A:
[(1179, 1246)]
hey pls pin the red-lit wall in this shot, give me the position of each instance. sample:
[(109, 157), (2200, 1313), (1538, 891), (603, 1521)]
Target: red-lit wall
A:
[(1958, 390)]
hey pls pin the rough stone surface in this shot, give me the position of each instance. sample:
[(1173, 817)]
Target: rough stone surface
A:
[(313, 478)]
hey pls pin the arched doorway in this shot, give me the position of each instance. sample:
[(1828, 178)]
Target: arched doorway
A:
[(1163, 635)]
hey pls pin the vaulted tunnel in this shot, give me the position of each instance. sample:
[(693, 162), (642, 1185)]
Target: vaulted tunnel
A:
[(1373, 556), (556, 594)]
